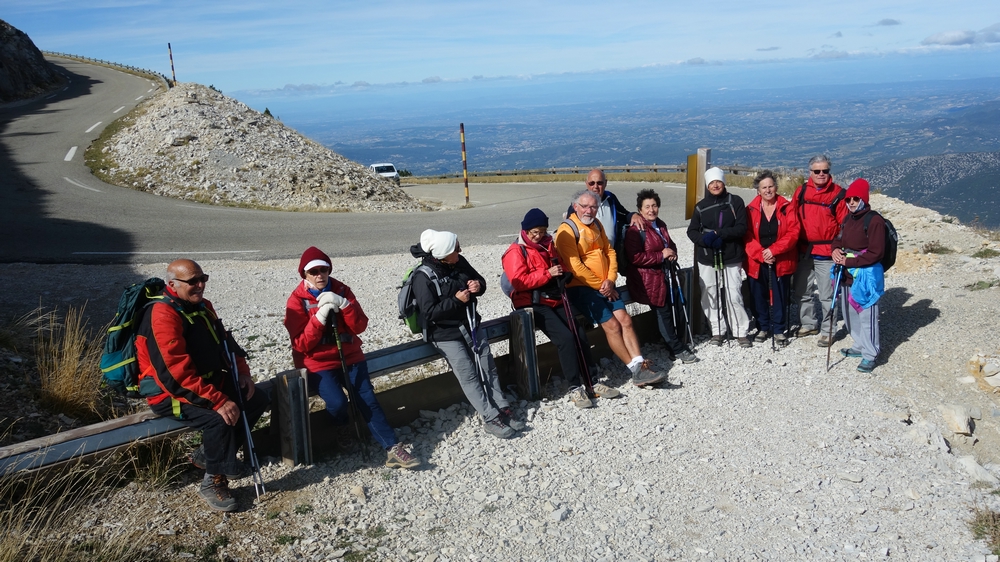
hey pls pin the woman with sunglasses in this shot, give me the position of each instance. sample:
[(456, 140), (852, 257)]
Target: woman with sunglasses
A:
[(321, 313), (861, 245), (771, 256), (534, 269)]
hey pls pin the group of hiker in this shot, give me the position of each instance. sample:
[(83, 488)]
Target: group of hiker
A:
[(192, 369)]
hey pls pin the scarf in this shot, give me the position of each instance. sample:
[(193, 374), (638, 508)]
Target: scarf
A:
[(543, 247)]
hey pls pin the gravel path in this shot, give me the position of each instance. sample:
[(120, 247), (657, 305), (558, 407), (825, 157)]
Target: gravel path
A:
[(747, 455)]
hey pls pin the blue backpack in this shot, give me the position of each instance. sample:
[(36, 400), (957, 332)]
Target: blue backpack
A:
[(119, 367)]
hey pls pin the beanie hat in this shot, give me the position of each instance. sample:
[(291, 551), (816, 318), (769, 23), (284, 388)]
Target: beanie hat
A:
[(311, 258), (533, 218), (438, 244), (713, 174), (859, 188)]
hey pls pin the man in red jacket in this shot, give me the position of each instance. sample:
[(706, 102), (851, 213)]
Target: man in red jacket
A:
[(819, 205), (184, 373)]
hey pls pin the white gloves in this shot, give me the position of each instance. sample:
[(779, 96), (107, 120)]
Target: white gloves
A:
[(324, 312), (336, 300)]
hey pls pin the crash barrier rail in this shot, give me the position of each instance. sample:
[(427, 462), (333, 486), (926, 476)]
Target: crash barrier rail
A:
[(627, 168), (111, 435), (133, 69)]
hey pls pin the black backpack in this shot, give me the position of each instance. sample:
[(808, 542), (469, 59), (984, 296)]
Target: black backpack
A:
[(891, 240)]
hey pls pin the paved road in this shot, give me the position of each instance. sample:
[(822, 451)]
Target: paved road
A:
[(52, 210)]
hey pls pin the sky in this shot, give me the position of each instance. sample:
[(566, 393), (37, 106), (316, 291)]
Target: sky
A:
[(255, 49)]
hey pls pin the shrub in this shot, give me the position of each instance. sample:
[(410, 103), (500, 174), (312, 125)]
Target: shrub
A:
[(68, 360), (935, 247), (986, 253), (985, 526)]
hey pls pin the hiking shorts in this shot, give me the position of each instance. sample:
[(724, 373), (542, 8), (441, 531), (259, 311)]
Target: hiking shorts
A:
[(592, 304)]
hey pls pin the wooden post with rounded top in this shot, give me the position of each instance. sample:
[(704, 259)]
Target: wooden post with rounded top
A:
[(696, 166)]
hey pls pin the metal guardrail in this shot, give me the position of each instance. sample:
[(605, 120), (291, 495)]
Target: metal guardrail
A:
[(133, 69), (627, 168)]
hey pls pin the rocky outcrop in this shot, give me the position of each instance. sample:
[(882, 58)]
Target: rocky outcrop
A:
[(24, 72), (194, 143)]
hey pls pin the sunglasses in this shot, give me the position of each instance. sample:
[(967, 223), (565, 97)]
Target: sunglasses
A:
[(593, 183), (820, 172), (203, 278), (317, 270), (852, 199)]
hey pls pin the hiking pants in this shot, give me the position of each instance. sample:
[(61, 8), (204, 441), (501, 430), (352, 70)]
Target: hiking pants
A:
[(770, 318), (739, 320), (665, 321), (485, 396), (330, 387), (221, 441), (815, 271), (552, 323), (863, 326)]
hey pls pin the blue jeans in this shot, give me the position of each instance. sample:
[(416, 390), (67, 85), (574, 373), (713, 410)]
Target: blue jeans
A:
[(329, 385)]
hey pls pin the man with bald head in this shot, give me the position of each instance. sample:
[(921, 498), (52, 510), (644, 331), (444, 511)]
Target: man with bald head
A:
[(184, 373)]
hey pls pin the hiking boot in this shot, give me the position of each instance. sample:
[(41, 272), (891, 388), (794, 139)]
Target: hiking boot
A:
[(216, 493), (850, 352), (866, 366), (824, 341), (507, 417), (496, 427), (578, 396), (646, 377), (398, 457), (744, 342), (804, 332), (716, 340), (762, 336), (780, 339), (604, 391), (197, 458), (687, 357)]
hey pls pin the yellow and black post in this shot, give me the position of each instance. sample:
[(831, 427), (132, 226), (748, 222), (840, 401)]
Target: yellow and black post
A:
[(465, 164), (173, 74)]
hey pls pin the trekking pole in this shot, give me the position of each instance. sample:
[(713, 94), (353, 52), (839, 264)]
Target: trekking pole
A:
[(352, 393), (680, 294), (770, 302), (588, 382), (673, 301), (720, 271), (833, 306), (251, 451)]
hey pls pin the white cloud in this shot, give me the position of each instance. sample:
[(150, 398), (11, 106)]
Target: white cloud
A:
[(831, 55), (888, 22), (951, 38)]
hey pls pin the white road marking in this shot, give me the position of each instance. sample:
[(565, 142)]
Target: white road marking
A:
[(94, 126), (69, 155), (78, 184), (149, 90), (119, 109), (214, 208), (177, 253), (139, 98), (52, 96)]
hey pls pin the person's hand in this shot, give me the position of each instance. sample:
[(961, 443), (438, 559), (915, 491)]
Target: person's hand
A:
[(669, 254), (717, 243), (555, 271), (325, 298), (246, 383), (708, 239), (339, 302), (474, 285), (230, 412), (608, 290), (323, 312), (638, 222), (838, 256), (464, 295)]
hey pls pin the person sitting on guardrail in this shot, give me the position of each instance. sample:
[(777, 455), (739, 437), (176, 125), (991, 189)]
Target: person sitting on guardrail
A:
[(537, 277), (183, 373), (323, 319), (446, 292), (650, 253), (585, 249)]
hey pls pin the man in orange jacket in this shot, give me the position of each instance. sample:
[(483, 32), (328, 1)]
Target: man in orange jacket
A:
[(184, 373)]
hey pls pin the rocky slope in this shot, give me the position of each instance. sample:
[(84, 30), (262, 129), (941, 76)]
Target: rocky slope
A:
[(194, 143), (24, 73)]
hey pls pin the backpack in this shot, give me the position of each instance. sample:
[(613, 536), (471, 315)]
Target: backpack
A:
[(119, 368), (407, 302), (831, 206), (891, 240), (505, 284)]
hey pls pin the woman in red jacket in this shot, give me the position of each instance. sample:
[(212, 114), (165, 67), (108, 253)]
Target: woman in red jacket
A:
[(771, 256), (533, 269), (649, 250), (318, 306)]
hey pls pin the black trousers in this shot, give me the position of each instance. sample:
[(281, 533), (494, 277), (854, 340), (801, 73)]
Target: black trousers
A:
[(665, 321), (221, 441), (552, 323)]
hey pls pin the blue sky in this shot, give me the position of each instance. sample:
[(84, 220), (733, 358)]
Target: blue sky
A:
[(306, 47)]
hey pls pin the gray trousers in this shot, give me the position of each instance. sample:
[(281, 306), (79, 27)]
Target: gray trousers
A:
[(485, 396), (862, 325), (818, 272)]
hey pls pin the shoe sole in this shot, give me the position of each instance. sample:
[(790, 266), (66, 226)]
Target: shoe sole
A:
[(222, 508), (689, 361), (657, 380), (397, 464), (584, 405)]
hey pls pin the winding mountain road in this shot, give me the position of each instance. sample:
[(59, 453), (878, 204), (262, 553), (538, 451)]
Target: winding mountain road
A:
[(52, 210)]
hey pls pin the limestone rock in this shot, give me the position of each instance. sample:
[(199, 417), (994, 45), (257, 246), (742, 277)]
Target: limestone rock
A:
[(24, 72), (975, 471), (957, 418)]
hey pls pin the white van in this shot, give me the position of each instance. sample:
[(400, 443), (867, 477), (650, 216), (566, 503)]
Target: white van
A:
[(386, 170)]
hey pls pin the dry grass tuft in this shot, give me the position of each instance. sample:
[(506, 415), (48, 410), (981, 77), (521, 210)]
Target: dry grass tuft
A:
[(18, 332), (68, 357), (985, 526)]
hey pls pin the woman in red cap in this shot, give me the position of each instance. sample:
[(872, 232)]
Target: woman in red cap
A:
[(862, 244), (319, 310)]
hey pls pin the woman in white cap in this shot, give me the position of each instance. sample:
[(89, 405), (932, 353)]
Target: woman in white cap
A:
[(717, 228), (445, 292)]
